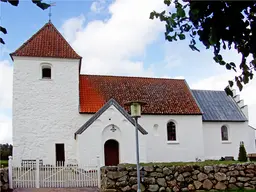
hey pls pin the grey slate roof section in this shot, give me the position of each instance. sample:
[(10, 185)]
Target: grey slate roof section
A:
[(217, 106), (102, 110)]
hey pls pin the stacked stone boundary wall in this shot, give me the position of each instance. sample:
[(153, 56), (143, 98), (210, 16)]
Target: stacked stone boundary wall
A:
[(4, 183), (180, 178)]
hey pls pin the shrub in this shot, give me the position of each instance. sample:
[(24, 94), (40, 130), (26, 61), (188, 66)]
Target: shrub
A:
[(242, 156)]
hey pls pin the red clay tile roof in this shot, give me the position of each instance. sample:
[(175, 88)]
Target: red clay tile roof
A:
[(47, 42), (163, 96)]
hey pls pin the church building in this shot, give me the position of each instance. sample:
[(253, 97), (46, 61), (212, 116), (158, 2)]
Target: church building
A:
[(60, 114)]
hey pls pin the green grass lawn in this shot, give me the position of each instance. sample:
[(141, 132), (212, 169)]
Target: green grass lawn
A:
[(202, 163), (3, 163)]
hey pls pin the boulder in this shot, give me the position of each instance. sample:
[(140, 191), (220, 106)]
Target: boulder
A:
[(198, 184), (232, 180), (220, 176), (116, 174), (208, 169), (202, 176), (172, 183), (243, 179), (180, 177), (232, 186), (161, 182), (156, 174), (166, 171), (176, 189), (149, 168), (220, 186), (191, 187), (207, 184), (127, 188), (162, 189), (142, 188), (149, 180), (186, 174), (153, 188)]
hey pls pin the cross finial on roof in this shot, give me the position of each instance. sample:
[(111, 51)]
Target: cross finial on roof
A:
[(50, 9)]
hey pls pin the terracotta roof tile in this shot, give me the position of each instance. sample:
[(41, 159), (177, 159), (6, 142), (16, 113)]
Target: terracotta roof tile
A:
[(47, 42), (163, 96)]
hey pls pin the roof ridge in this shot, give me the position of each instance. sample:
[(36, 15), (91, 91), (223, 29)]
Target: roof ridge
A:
[(123, 76), (38, 36), (29, 39), (63, 37)]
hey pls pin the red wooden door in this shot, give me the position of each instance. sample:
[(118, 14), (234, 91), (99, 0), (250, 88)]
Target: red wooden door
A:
[(111, 149)]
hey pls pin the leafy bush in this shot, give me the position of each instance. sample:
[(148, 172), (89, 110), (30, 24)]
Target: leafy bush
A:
[(242, 156)]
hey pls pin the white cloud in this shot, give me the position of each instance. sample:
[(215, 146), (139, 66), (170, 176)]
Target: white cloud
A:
[(98, 6), (5, 101), (5, 129), (107, 47), (5, 85), (71, 26)]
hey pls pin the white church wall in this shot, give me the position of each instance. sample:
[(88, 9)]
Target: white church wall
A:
[(189, 144), (45, 111), (215, 148), (91, 141)]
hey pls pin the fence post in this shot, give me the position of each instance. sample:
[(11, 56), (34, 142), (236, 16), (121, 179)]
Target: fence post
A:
[(10, 172), (37, 173), (98, 172)]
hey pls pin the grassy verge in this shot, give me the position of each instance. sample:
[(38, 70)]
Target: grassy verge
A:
[(202, 163), (3, 163)]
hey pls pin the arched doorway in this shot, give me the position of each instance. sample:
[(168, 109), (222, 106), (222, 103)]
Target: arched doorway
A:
[(111, 151)]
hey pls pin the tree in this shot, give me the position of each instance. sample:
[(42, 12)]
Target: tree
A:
[(5, 151), (242, 155), (39, 3), (218, 25)]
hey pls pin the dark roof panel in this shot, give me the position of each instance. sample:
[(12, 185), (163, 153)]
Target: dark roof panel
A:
[(217, 106)]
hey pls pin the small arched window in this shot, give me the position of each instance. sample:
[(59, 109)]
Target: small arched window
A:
[(46, 72), (224, 133), (171, 131)]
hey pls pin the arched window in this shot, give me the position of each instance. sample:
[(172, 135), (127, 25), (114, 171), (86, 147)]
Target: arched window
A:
[(224, 133), (171, 131), (46, 72)]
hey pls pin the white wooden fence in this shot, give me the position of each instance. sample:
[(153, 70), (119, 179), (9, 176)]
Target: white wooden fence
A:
[(36, 175)]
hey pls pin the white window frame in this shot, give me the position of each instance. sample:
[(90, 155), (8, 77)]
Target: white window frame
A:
[(228, 134), (176, 132), (43, 66)]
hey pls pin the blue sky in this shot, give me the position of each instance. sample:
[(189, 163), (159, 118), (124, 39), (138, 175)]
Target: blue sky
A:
[(113, 37)]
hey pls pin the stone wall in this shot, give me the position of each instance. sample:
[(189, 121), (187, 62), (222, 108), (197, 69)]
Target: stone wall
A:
[(4, 186), (180, 178)]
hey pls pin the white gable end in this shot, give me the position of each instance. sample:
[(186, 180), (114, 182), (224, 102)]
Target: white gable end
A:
[(110, 125)]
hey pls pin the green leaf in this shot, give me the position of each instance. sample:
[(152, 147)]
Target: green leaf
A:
[(231, 83), (232, 64), (239, 85), (167, 2), (180, 12), (14, 2), (43, 5), (174, 15), (228, 66), (228, 91), (3, 30), (182, 36), (151, 16), (2, 41)]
